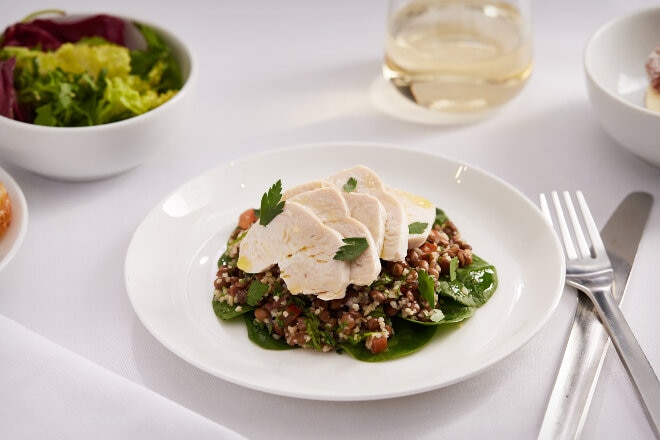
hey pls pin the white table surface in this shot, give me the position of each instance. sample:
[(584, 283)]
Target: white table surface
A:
[(275, 74)]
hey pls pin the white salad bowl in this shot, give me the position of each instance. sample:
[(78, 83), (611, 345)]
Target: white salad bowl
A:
[(614, 63), (96, 152)]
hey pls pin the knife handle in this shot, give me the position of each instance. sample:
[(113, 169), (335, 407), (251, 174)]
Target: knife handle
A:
[(576, 379), (638, 367)]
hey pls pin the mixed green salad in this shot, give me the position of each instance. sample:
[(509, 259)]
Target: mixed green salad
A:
[(66, 73)]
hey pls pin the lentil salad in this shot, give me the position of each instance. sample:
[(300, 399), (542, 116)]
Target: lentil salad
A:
[(438, 282)]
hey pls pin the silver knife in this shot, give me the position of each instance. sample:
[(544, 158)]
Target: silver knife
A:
[(587, 343)]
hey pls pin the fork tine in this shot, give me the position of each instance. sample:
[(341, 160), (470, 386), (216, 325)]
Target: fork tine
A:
[(577, 229), (592, 229), (543, 203), (569, 247)]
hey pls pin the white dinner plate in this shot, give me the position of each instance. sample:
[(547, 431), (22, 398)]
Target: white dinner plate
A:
[(11, 241), (171, 264)]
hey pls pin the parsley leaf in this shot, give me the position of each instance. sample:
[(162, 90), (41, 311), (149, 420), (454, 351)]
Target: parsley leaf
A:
[(312, 322), (417, 227), (352, 249), (271, 204), (426, 286), (350, 185), (453, 265), (255, 292)]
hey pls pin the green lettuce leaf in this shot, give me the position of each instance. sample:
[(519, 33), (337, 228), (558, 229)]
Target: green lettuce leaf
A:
[(88, 83)]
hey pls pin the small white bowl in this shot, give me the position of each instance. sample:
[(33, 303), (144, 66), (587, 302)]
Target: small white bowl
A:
[(96, 152), (614, 62), (13, 237)]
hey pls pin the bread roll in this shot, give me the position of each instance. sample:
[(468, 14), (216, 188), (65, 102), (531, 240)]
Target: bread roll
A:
[(5, 210)]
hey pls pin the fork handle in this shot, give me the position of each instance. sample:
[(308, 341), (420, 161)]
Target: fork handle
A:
[(637, 365)]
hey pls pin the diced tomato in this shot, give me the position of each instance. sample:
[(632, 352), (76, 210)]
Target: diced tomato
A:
[(247, 218), (429, 247), (294, 310), (378, 345)]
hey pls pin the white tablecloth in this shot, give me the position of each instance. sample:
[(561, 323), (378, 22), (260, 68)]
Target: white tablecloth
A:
[(275, 74)]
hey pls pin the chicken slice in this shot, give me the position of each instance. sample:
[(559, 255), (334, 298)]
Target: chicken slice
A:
[(303, 248), (418, 210), (330, 206), (304, 187), (395, 241), (368, 210)]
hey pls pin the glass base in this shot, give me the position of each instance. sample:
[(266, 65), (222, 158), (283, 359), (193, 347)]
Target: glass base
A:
[(390, 100)]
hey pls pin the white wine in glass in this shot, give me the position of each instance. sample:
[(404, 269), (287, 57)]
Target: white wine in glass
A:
[(458, 55)]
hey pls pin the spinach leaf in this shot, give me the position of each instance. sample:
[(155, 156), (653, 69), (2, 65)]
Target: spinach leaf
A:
[(224, 259), (473, 286), (407, 339), (453, 312), (440, 217), (258, 333), (224, 311)]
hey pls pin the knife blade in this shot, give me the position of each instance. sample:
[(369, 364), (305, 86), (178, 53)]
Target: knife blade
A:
[(587, 342)]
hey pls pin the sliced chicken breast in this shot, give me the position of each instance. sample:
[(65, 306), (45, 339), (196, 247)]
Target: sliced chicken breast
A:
[(418, 210), (368, 210), (330, 206), (395, 241), (304, 187), (363, 207), (303, 248)]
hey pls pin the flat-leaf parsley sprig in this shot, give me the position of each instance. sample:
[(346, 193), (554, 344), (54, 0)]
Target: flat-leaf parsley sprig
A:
[(350, 185), (271, 204), (417, 227), (353, 248)]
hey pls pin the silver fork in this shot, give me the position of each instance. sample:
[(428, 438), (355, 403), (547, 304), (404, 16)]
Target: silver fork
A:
[(589, 270)]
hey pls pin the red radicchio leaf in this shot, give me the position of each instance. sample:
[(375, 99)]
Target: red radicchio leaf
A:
[(9, 106), (50, 34)]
